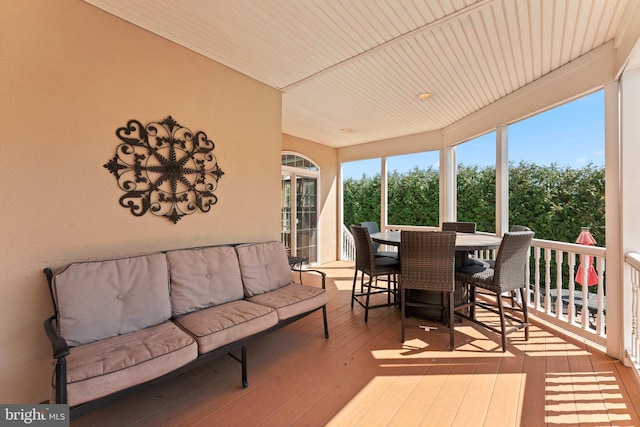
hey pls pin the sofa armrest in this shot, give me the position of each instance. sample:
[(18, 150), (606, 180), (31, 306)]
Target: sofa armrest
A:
[(60, 351), (58, 343), (322, 273)]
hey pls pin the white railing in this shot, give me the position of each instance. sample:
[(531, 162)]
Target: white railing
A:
[(632, 262), (554, 294), (558, 298), (348, 245)]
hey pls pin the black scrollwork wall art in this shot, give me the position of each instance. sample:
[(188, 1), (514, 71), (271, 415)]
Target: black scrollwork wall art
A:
[(165, 169)]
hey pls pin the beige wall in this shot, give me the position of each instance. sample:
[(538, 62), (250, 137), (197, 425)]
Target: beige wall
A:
[(70, 76), (326, 158)]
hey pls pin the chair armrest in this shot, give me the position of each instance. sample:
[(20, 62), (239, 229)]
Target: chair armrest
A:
[(322, 273), (58, 343)]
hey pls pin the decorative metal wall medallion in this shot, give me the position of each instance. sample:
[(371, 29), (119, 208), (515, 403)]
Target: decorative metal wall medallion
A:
[(166, 169)]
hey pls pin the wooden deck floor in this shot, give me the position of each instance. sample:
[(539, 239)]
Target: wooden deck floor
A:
[(363, 375)]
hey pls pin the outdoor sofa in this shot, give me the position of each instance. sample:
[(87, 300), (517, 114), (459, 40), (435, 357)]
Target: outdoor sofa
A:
[(122, 323)]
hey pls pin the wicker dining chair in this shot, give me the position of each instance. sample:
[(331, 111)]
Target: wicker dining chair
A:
[(427, 260), (373, 267), (491, 262), (460, 227), (373, 228), (507, 275)]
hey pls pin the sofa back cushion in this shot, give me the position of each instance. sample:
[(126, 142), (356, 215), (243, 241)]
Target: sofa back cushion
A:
[(264, 267), (101, 299), (203, 277)]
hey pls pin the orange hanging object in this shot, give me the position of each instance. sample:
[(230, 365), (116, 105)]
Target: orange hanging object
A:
[(592, 276), (585, 238)]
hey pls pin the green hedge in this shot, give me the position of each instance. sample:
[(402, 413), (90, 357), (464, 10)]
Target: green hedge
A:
[(554, 201)]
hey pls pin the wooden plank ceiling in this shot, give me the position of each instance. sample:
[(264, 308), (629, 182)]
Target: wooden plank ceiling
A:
[(360, 65)]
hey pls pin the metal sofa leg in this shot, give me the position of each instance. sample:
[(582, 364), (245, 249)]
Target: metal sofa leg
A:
[(326, 325), (245, 382), (61, 381)]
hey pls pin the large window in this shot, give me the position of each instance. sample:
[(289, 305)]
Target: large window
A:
[(361, 191), (413, 182), (414, 189), (476, 182), (556, 171), (556, 178)]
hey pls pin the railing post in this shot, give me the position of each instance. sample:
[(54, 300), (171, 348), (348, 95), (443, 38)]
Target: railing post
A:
[(600, 317)]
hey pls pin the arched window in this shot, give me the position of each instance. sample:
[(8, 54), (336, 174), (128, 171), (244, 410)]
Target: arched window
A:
[(293, 160)]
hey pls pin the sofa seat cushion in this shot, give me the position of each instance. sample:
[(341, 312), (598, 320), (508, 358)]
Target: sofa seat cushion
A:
[(104, 367), (293, 299), (264, 267), (203, 277), (223, 324)]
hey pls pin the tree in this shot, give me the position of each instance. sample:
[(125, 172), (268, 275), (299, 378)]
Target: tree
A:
[(361, 200), (553, 201), (477, 196), (414, 197)]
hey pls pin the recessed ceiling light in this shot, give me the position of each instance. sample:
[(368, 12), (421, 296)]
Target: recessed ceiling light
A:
[(346, 130), (425, 95)]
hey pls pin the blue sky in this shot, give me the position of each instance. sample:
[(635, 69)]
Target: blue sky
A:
[(570, 135)]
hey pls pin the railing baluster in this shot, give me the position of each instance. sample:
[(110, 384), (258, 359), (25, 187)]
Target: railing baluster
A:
[(547, 280), (572, 288), (636, 313), (559, 301), (635, 342), (584, 312), (527, 278), (536, 279)]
